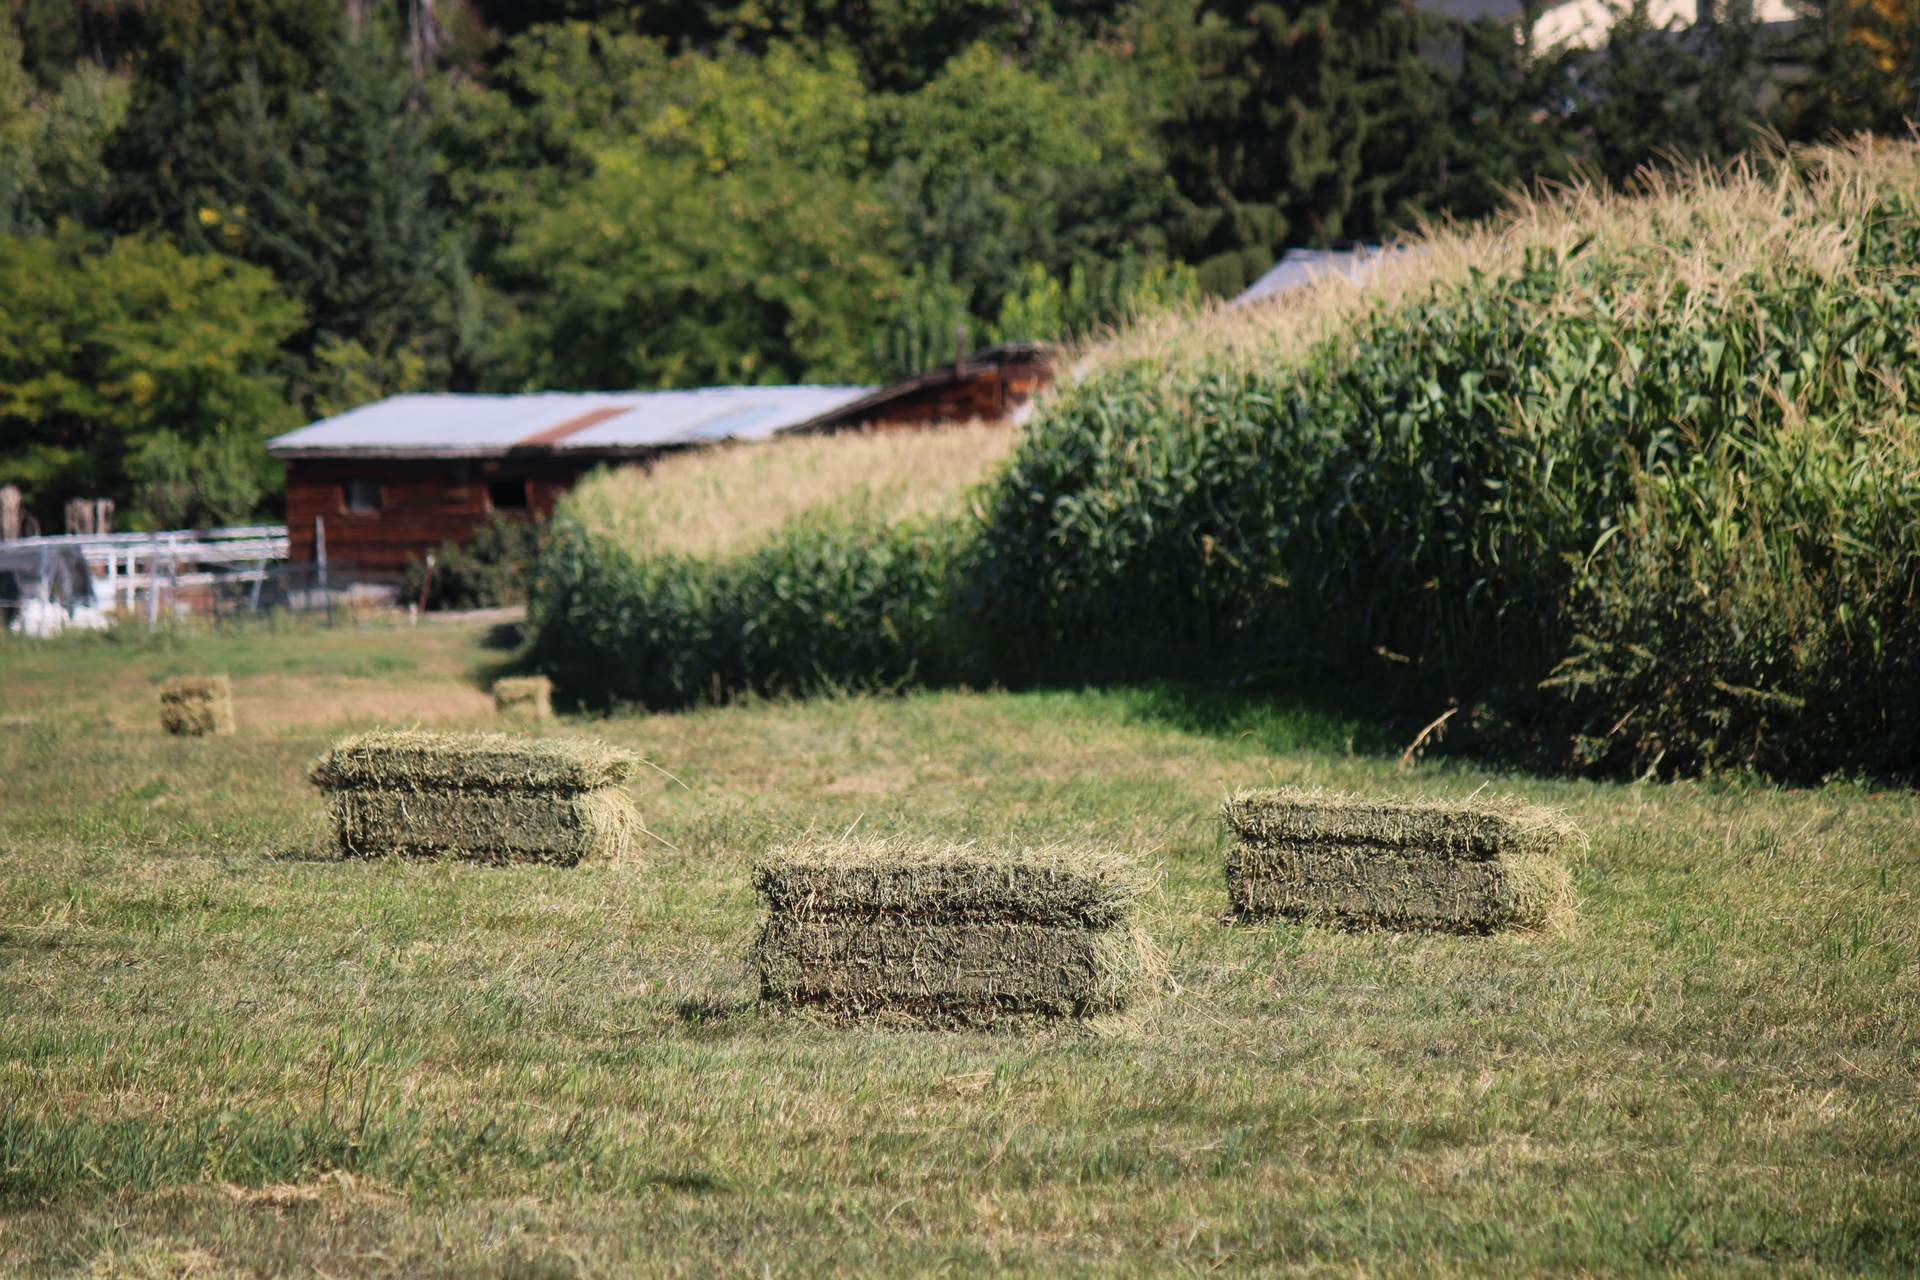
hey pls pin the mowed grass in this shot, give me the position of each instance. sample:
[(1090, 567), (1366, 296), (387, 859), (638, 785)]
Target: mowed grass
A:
[(223, 1053)]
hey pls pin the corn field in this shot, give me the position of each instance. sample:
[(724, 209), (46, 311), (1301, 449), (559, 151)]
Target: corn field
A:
[(1631, 480)]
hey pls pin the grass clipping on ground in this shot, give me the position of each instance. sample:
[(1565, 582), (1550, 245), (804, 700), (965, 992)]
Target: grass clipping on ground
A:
[(193, 706), (944, 934), (482, 796), (1361, 862)]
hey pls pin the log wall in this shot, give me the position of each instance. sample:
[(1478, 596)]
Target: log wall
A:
[(421, 505)]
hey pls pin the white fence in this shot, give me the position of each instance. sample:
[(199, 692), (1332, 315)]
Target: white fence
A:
[(143, 573)]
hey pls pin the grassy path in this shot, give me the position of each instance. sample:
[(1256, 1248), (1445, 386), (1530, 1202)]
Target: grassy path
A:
[(222, 1053)]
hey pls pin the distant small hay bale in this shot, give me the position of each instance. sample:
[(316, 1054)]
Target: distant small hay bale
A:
[(952, 934), (483, 797), (524, 698), (1361, 862), (193, 706)]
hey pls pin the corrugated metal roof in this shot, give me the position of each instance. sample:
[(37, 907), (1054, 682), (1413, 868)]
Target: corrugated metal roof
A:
[(466, 426)]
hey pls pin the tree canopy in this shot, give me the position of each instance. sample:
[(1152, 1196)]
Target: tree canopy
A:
[(231, 215)]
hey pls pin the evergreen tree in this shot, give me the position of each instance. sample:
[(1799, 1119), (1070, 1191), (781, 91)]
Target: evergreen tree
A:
[(58, 36), (996, 169), (1510, 120), (1863, 64), (1307, 123), (899, 44), (293, 140), (1654, 96), (51, 140)]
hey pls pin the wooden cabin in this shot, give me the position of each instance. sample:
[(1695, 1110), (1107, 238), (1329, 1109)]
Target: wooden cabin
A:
[(386, 483)]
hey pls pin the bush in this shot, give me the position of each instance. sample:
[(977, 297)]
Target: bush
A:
[(1637, 478), (490, 572), (830, 601)]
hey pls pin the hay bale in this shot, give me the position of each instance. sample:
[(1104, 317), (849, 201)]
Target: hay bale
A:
[(1361, 862), (193, 706), (524, 698), (945, 934), (485, 797)]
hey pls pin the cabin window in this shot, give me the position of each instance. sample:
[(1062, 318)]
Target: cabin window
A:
[(363, 495), (508, 495)]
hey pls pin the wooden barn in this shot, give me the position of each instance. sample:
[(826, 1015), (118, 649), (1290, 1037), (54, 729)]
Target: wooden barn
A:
[(984, 386), (388, 482)]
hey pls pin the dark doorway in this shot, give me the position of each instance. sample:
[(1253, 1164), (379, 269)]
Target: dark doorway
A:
[(508, 495)]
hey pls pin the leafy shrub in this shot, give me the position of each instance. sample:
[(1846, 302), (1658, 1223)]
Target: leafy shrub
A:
[(1636, 476), (489, 572), (831, 600)]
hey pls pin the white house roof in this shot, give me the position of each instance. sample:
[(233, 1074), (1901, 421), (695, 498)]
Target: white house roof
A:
[(610, 422), (1300, 267)]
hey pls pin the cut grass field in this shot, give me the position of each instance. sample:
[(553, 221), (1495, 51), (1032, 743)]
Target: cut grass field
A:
[(224, 1053)]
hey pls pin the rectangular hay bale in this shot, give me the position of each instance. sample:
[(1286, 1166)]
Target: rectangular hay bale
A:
[(523, 698), (194, 706), (946, 933), (482, 796), (1360, 862)]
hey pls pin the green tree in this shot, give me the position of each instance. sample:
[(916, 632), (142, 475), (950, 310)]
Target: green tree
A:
[(1077, 309), (129, 369), (659, 272), (899, 45), (1510, 120), (666, 221), (994, 167), (1653, 95), (1863, 64), (51, 141), (58, 37), (279, 134)]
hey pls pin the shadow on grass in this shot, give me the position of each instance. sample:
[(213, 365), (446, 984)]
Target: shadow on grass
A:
[(1278, 714), (504, 637), (715, 1017)]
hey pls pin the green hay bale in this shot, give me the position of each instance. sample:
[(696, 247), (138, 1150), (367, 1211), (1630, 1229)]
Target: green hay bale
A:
[(524, 698), (1360, 862), (952, 934), (499, 827), (412, 760), (981, 971), (193, 706), (944, 881)]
